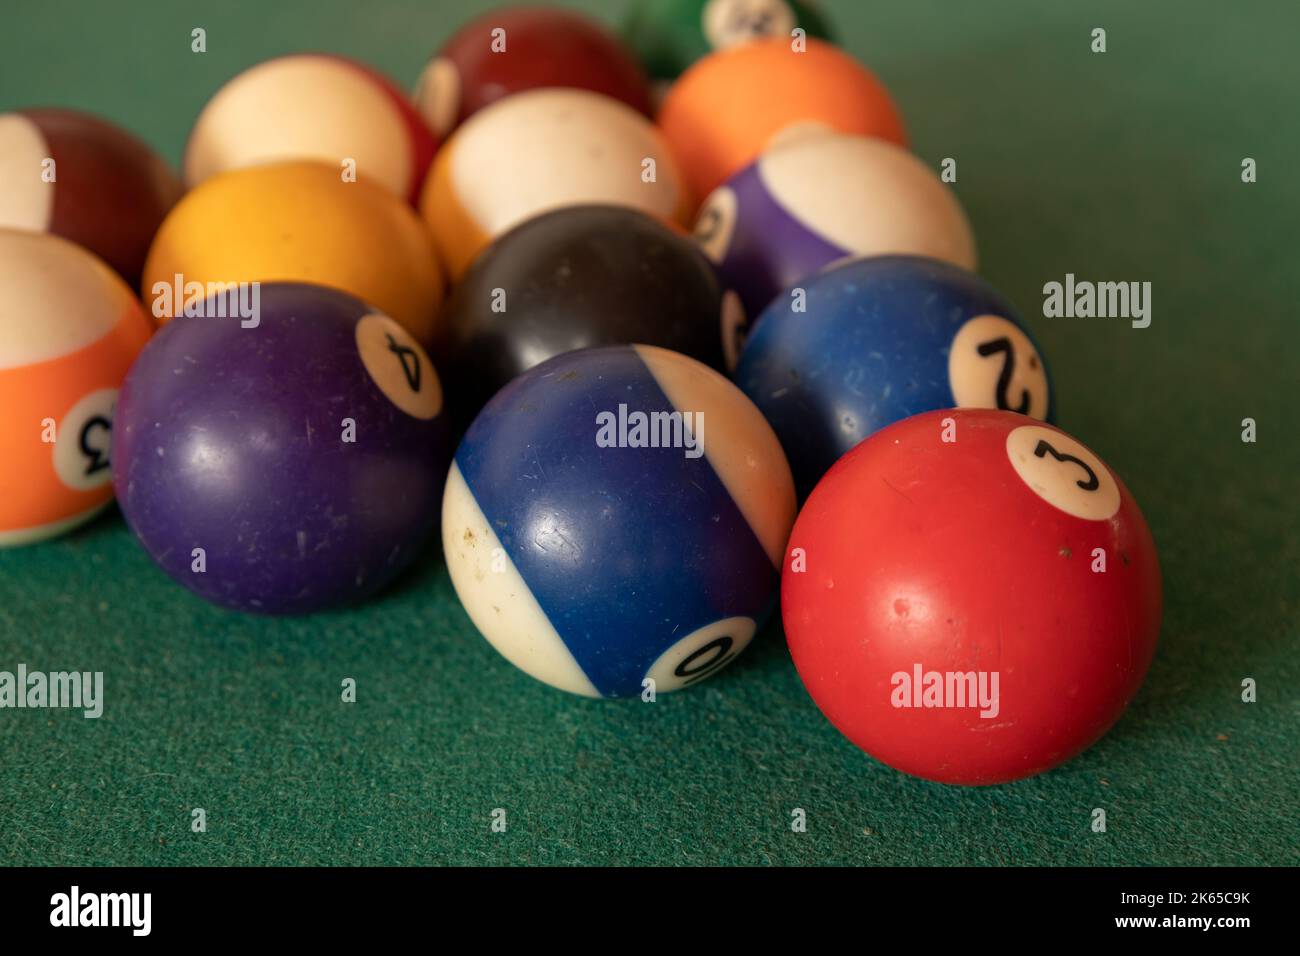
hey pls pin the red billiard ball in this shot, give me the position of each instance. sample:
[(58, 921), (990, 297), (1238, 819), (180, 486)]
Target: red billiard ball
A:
[(513, 49), (971, 596)]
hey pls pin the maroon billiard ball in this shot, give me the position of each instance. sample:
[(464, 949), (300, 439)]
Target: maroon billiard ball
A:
[(85, 179), (526, 48)]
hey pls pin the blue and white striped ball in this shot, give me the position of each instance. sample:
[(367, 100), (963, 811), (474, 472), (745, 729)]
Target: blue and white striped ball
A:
[(874, 340), (595, 549)]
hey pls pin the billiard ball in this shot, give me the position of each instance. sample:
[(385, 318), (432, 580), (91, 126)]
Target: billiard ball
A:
[(599, 537), (735, 103), (313, 106), (874, 340), (578, 277), (85, 179), (542, 150), (69, 330), (804, 205), (514, 49), (972, 596), (286, 463), (670, 35), (297, 222)]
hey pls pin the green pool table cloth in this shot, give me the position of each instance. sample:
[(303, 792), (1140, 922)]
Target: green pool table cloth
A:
[(1117, 166)]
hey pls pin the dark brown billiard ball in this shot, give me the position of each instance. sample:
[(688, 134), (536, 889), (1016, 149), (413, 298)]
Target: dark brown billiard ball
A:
[(82, 178)]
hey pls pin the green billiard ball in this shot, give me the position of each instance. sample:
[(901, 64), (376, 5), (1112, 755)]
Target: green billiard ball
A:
[(670, 35)]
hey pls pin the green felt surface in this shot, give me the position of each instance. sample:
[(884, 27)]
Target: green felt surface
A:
[(1119, 166)]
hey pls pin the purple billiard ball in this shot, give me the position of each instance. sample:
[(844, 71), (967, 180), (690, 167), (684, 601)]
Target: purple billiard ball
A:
[(818, 199), (284, 457)]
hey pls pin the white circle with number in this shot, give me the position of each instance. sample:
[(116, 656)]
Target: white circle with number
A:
[(992, 364), (1063, 472), (81, 443), (702, 653), (728, 23), (398, 365), (735, 328), (716, 222)]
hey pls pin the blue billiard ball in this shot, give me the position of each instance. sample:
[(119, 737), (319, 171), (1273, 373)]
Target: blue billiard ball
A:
[(875, 340), (615, 515)]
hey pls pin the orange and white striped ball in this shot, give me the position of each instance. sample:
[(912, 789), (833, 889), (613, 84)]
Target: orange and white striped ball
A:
[(313, 106), (542, 150), (297, 222), (69, 330)]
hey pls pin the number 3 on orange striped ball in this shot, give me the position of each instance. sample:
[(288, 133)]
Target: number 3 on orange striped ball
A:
[(69, 330)]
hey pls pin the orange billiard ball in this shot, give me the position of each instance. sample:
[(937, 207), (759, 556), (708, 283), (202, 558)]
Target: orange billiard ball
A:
[(737, 102)]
